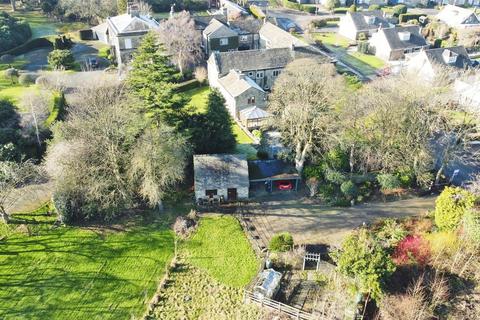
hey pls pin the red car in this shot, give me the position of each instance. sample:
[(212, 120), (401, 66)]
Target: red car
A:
[(284, 185)]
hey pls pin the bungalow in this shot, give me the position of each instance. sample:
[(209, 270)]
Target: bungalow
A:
[(242, 93), (362, 22), (125, 32), (221, 176), (427, 62), (457, 17), (217, 37), (394, 43)]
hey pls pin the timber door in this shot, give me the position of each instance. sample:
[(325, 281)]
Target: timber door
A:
[(232, 194)]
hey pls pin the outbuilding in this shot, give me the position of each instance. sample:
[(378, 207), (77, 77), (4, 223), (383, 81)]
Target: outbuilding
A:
[(221, 176)]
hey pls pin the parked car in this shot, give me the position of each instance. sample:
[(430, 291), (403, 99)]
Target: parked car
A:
[(284, 185)]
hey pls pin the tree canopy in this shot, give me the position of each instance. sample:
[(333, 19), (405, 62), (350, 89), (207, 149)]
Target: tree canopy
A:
[(13, 31)]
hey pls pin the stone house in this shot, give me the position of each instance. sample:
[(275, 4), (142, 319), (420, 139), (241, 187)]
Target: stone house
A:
[(457, 17), (393, 43), (221, 175), (367, 22), (125, 32), (217, 37), (241, 93), (426, 63)]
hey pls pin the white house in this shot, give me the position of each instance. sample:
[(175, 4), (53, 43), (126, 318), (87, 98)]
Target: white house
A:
[(367, 22), (457, 17), (393, 43), (426, 63)]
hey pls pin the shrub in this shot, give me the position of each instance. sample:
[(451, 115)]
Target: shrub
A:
[(331, 4), (262, 155), (12, 74), (471, 227), (352, 8), (30, 45), (320, 23), (59, 59), (334, 176), (388, 181), (442, 242), (13, 31), (391, 233), (313, 171), (405, 17), (26, 79), (183, 226), (413, 249), (374, 7), (337, 159), (281, 242), (399, 9), (349, 189), (450, 207), (62, 43), (201, 74)]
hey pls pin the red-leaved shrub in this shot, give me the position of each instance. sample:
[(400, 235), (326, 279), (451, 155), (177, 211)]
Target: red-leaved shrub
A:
[(412, 250)]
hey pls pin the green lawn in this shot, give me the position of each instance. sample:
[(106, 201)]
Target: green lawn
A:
[(332, 38), (220, 248), (80, 273), (369, 59), (198, 98)]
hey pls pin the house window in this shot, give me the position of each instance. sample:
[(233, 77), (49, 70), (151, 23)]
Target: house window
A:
[(224, 41), (251, 100), (259, 75), (243, 38), (211, 193), (128, 44), (276, 73), (250, 74)]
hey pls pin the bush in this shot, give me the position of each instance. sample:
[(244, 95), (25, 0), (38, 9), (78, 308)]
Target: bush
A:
[(281, 242), (313, 171), (59, 59), (450, 207), (443, 242), (334, 176), (405, 17), (412, 250), (57, 108), (349, 189), (262, 155), (320, 23), (352, 8), (388, 181), (337, 159), (62, 43), (201, 74), (12, 74), (374, 7), (399, 9), (331, 4), (26, 79), (13, 31), (391, 233)]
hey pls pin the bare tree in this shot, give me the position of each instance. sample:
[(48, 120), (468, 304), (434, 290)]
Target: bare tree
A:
[(37, 106), (181, 40), (303, 104), (13, 176), (13, 3)]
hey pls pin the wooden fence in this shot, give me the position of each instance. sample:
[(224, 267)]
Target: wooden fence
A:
[(290, 311)]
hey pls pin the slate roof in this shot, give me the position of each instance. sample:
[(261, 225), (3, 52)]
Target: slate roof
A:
[(213, 170), (216, 29), (361, 24), (271, 169), (233, 6), (393, 39), (254, 113), (236, 83), (279, 38), (454, 16), (246, 26), (436, 56), (253, 59), (201, 22), (127, 23)]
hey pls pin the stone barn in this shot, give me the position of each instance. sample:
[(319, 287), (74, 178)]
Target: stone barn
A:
[(221, 175)]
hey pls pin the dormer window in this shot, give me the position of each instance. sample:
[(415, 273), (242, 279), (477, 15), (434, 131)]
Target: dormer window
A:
[(404, 35), (251, 100), (449, 56), (370, 20)]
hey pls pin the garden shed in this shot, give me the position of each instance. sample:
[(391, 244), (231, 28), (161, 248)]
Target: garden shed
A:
[(272, 175), (221, 176)]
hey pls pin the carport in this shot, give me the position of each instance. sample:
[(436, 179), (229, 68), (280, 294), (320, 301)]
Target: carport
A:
[(265, 174)]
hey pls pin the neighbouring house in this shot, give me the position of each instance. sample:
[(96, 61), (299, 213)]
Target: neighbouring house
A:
[(393, 43), (231, 9), (272, 36), (426, 63), (241, 93), (125, 32), (466, 92), (202, 22), (457, 17), (248, 32), (221, 176), (218, 37), (362, 22)]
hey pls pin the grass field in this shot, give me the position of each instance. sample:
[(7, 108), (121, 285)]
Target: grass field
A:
[(369, 59), (332, 38), (216, 263), (80, 273), (220, 248)]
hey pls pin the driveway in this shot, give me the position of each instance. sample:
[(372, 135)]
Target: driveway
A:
[(311, 223)]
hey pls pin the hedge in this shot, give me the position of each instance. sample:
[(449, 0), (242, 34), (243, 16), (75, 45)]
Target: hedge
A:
[(297, 6), (405, 17), (257, 12), (188, 85), (57, 109), (29, 46)]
